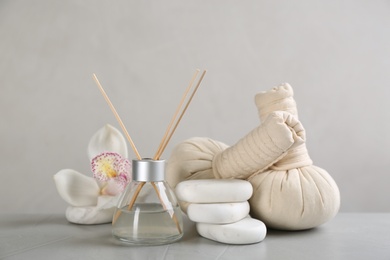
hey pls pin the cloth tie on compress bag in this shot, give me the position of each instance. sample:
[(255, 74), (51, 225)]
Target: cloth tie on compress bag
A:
[(261, 148), (293, 194)]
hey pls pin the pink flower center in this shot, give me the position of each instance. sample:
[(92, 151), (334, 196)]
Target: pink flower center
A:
[(112, 171)]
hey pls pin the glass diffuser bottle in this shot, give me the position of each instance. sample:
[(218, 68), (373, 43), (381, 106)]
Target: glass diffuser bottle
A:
[(148, 212)]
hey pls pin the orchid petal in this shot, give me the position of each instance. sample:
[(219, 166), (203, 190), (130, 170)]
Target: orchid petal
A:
[(115, 186), (108, 138), (76, 188)]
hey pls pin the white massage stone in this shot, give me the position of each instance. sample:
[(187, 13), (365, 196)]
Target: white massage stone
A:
[(218, 213), (214, 190), (245, 231)]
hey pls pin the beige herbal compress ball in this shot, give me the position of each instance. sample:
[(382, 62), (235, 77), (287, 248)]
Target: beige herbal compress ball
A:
[(292, 194), (289, 192)]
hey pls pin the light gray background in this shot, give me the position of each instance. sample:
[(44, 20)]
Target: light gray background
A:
[(335, 54)]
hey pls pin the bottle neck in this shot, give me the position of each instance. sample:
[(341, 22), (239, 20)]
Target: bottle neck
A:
[(148, 170)]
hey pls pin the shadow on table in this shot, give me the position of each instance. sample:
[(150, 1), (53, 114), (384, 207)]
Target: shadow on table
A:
[(296, 233)]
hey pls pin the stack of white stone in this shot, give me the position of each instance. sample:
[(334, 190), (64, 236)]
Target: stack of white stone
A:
[(220, 209)]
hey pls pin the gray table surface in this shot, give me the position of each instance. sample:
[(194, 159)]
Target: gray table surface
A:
[(347, 236)]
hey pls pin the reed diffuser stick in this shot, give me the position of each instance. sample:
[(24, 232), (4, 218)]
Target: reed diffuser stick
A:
[(117, 117), (164, 142), (131, 203), (168, 138), (165, 207), (175, 115)]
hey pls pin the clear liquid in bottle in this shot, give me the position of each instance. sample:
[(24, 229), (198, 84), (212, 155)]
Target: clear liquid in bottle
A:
[(147, 223)]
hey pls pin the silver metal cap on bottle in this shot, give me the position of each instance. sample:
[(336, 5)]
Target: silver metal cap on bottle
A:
[(148, 170)]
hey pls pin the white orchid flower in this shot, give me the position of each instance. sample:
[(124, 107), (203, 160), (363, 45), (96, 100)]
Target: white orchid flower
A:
[(92, 200)]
